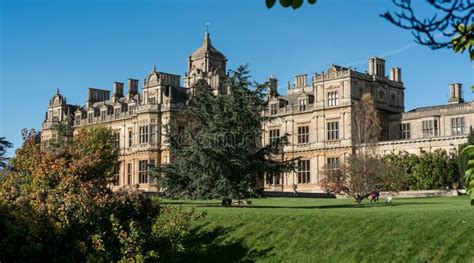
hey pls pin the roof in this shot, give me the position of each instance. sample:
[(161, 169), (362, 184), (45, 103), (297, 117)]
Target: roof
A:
[(57, 99), (207, 47), (438, 107), (110, 102), (179, 95)]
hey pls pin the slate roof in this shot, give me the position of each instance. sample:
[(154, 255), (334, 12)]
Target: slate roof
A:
[(437, 107)]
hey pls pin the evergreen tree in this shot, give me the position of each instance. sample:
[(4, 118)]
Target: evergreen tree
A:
[(4, 145), (220, 155)]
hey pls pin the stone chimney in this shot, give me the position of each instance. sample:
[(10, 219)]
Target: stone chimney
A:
[(396, 74), (301, 81), (118, 89), (455, 93), (95, 95), (132, 86), (377, 67), (273, 87)]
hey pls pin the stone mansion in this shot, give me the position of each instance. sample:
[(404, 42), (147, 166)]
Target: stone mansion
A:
[(316, 116)]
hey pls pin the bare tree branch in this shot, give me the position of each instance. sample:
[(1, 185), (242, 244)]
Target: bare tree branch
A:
[(452, 27)]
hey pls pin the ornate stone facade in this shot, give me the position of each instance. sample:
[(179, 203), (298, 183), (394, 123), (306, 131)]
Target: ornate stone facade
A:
[(138, 119), (316, 116)]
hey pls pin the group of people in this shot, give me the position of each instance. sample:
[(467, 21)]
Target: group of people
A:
[(374, 197)]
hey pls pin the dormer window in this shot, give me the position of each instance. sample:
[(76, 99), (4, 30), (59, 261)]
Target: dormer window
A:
[(131, 109), (103, 115), (302, 104), (273, 109), (77, 119)]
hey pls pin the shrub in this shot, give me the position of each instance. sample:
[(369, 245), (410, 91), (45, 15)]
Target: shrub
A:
[(429, 170), (55, 203)]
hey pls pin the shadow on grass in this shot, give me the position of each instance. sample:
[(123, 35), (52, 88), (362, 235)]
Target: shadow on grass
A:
[(214, 245), (354, 205), (341, 206), (191, 203)]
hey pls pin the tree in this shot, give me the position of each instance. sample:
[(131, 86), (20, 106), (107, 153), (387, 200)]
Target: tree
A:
[(452, 26), (464, 158), (219, 155), (435, 170), (364, 171), (365, 125), (56, 203), (429, 170), (361, 175), (469, 173), (4, 145)]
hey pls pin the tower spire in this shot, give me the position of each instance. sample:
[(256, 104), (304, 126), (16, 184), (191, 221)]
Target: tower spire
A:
[(207, 39)]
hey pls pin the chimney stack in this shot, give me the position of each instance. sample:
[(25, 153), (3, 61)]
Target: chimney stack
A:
[(455, 93), (377, 67), (396, 74), (301, 81), (118, 89), (132, 86), (95, 95), (371, 66), (273, 87)]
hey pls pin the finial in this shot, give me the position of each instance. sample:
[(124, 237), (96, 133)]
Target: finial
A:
[(57, 91), (207, 39), (154, 67)]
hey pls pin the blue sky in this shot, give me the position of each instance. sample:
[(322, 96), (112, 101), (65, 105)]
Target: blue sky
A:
[(73, 45)]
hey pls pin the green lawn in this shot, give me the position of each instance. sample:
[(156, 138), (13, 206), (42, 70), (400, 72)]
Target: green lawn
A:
[(327, 230)]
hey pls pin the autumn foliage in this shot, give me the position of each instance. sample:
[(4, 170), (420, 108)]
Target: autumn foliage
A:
[(56, 203)]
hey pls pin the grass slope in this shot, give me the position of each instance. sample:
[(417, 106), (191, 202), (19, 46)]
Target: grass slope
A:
[(329, 230)]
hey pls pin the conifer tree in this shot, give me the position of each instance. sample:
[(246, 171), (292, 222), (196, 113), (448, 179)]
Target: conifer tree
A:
[(220, 154), (4, 145)]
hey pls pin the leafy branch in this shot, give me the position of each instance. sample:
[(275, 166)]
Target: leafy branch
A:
[(295, 4)]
